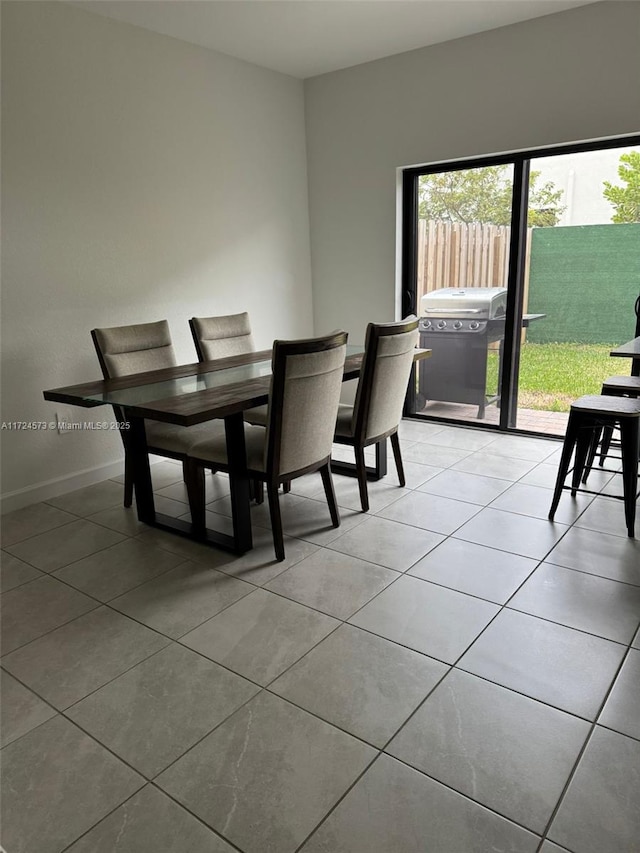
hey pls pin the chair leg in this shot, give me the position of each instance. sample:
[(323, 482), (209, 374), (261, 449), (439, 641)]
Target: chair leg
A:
[(327, 482), (593, 450), (286, 487), (361, 470), (194, 481), (258, 491), (276, 520), (128, 481), (629, 428), (565, 459), (395, 444)]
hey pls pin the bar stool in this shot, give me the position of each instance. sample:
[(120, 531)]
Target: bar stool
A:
[(614, 386), (589, 415)]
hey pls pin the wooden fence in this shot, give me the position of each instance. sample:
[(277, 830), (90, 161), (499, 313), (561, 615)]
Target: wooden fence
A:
[(458, 254)]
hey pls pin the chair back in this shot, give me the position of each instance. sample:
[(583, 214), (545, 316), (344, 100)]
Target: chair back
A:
[(220, 337), (303, 402), (134, 349), (386, 368)]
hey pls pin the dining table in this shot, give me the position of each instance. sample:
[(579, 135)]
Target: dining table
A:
[(629, 350), (192, 394)]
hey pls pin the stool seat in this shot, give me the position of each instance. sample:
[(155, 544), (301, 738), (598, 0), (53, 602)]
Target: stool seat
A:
[(622, 385), (588, 416), (601, 404)]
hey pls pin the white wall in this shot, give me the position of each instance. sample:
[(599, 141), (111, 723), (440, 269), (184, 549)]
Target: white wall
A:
[(143, 178), (565, 77)]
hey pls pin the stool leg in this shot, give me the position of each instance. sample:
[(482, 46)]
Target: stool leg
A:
[(567, 449), (606, 444), (629, 440), (595, 441), (583, 443)]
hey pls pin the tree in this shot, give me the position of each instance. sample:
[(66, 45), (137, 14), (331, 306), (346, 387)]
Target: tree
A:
[(484, 195), (626, 200)]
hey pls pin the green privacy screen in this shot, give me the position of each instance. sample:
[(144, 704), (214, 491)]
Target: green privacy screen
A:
[(586, 279)]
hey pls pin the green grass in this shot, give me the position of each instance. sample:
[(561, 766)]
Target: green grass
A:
[(553, 375)]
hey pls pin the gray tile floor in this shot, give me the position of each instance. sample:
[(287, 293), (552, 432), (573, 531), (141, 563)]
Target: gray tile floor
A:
[(448, 673)]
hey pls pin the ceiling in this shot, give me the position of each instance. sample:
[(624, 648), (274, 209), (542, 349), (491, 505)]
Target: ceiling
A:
[(304, 38)]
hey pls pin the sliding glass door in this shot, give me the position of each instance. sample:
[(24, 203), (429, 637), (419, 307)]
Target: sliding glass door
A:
[(510, 270)]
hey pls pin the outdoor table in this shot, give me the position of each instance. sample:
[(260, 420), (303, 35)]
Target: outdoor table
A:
[(187, 395), (629, 350)]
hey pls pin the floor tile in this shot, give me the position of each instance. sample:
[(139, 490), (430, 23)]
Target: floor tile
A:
[(468, 487), (621, 711), (493, 465), (90, 499), (333, 583), (115, 570), (185, 548), (430, 512), (557, 665), (56, 548), (395, 808), (544, 475), (33, 609), (268, 775), (535, 501), (607, 516), (596, 605), (434, 454), (507, 531), (388, 543), (30, 521), (150, 821), (155, 712), (215, 487), (361, 683), (181, 599), (522, 447), (21, 710), (411, 430), (550, 847), (120, 518), (475, 569), (261, 635), (72, 661), (433, 620), (463, 439), (599, 813), (614, 557), (259, 566), (520, 751), (302, 518), (381, 492), (13, 572), (78, 783), (416, 474)]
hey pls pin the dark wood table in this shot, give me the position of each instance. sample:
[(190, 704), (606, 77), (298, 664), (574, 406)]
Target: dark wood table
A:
[(187, 395), (630, 350)]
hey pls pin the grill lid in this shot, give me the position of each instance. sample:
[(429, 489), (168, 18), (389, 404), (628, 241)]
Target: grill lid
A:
[(480, 303)]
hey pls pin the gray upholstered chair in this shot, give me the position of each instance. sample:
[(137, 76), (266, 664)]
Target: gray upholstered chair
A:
[(303, 403), (123, 350), (223, 337), (382, 387)]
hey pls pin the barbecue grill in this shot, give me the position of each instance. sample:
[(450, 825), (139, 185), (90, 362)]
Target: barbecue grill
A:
[(458, 325)]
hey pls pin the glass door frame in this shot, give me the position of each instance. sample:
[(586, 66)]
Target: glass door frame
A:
[(521, 163)]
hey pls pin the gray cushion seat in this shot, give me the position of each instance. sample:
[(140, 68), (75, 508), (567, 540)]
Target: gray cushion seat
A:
[(303, 403), (140, 348), (376, 413), (222, 337)]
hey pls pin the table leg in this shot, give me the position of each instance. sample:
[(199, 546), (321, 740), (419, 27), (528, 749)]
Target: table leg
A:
[(138, 456), (239, 482)]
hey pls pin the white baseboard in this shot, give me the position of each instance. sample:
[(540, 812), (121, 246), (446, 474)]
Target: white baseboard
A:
[(59, 486)]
